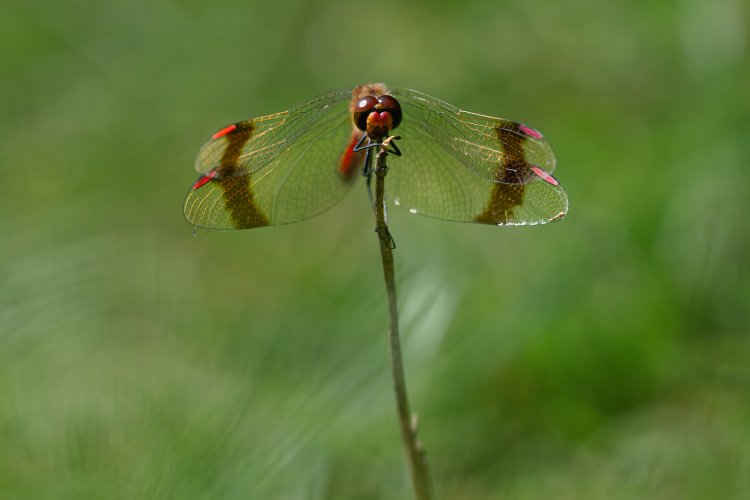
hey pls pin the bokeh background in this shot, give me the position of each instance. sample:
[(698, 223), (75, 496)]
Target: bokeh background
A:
[(604, 356)]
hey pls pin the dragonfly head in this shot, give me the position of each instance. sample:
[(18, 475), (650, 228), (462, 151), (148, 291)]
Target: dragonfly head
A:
[(377, 115)]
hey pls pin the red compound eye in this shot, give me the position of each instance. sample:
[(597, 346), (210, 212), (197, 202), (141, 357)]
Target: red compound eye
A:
[(391, 105), (362, 109)]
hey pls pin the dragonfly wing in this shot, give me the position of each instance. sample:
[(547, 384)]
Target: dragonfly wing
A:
[(465, 167), (276, 169), (250, 145)]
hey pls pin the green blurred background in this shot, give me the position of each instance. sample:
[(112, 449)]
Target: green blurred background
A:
[(605, 356)]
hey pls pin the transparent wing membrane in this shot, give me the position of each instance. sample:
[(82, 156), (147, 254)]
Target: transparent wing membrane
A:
[(456, 165)]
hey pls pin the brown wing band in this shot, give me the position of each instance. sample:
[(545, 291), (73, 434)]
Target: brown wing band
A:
[(238, 196), (512, 174)]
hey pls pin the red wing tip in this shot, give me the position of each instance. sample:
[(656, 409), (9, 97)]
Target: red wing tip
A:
[(530, 132), (224, 131), (204, 179), (544, 175)]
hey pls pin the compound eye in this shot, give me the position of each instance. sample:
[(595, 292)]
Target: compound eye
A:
[(393, 107), (365, 104), (361, 109), (388, 102)]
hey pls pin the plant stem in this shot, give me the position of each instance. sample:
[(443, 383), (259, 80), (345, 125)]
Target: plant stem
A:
[(415, 453)]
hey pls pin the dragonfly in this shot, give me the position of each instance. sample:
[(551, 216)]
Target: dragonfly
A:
[(453, 164)]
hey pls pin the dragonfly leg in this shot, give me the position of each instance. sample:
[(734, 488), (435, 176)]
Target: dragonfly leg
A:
[(391, 141), (367, 167), (369, 190), (359, 146), (385, 145), (385, 234)]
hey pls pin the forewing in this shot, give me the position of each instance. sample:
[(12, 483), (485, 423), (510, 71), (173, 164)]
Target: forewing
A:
[(253, 143), (480, 142)]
